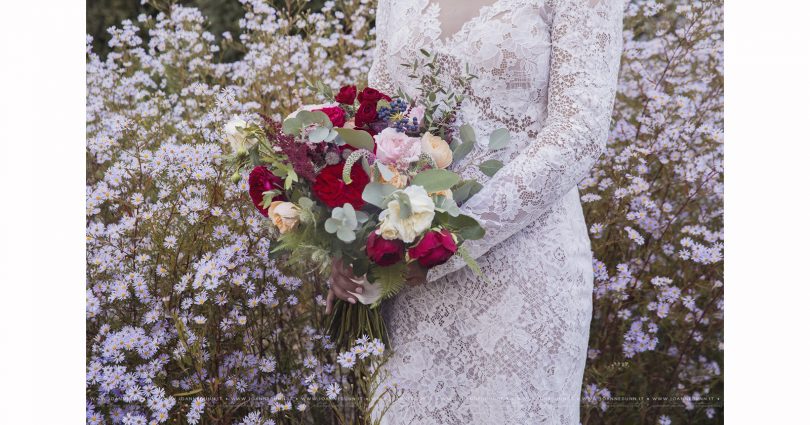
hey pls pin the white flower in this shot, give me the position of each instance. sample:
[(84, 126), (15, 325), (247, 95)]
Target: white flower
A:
[(394, 226), (235, 135), (344, 222)]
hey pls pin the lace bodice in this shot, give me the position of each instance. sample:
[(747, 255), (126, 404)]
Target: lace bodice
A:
[(546, 71), (509, 349)]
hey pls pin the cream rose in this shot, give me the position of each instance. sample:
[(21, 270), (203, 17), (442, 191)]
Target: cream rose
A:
[(234, 134), (284, 215), (438, 149), (407, 229)]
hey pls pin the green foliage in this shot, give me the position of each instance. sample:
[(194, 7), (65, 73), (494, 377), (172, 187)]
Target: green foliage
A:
[(465, 226), (356, 138), (376, 194), (490, 167), (436, 180), (391, 278), (465, 189), (499, 139)]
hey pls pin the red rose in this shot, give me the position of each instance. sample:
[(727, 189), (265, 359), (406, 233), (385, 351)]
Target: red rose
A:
[(262, 180), (383, 251), (434, 249), (336, 114), (346, 95), (330, 188), (372, 95), (366, 113)]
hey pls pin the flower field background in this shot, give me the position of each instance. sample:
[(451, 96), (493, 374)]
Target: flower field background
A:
[(188, 319)]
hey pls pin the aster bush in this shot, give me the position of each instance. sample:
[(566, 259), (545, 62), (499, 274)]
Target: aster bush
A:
[(654, 204), (190, 321)]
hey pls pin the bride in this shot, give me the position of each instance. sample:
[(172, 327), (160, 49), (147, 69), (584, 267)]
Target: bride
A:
[(510, 350)]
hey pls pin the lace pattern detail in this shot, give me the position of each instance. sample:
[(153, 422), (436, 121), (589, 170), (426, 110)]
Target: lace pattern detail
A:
[(511, 350)]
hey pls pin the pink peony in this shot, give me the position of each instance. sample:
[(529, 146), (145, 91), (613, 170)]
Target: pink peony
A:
[(397, 148)]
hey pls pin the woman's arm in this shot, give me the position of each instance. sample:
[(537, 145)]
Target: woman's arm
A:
[(378, 77), (586, 37)]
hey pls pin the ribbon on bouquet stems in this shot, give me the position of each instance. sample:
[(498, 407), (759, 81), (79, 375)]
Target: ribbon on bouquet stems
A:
[(371, 292)]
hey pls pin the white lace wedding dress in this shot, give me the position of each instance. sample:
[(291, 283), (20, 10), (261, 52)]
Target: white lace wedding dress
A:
[(511, 350)]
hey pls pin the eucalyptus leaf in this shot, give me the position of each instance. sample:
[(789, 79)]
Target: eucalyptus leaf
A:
[(361, 217), (467, 133), (385, 172), (305, 202), (466, 190), (318, 135), (466, 226), (375, 194), (490, 167), (404, 205), (314, 117), (435, 180), (447, 205), (499, 139), (356, 138), (462, 150), (291, 126)]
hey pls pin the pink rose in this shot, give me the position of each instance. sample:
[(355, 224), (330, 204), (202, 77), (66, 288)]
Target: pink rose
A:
[(397, 148), (417, 112)]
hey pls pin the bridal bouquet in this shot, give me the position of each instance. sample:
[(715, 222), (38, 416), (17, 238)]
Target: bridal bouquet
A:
[(363, 178)]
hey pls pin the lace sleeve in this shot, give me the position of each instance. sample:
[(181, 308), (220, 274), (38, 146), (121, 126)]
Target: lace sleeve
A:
[(585, 54), (378, 76)]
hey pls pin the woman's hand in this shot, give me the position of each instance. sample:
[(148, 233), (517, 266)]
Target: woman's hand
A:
[(343, 280)]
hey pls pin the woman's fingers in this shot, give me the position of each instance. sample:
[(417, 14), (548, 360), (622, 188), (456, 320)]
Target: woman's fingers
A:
[(350, 282), (339, 286), (346, 283)]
